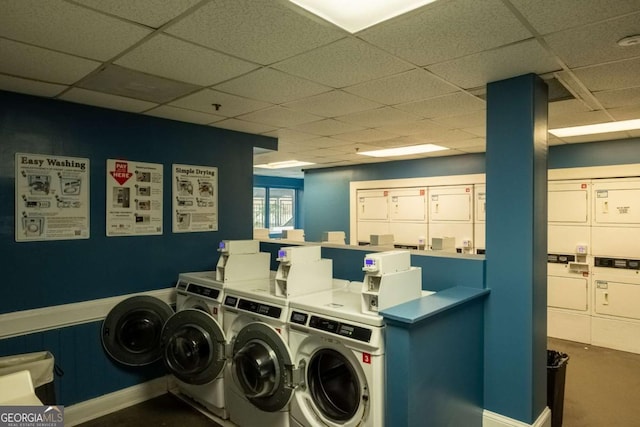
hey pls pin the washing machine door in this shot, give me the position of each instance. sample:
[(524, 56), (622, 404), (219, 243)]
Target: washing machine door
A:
[(334, 385), (193, 346), (262, 367), (131, 331)]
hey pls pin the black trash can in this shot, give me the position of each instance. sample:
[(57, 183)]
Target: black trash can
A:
[(556, 375)]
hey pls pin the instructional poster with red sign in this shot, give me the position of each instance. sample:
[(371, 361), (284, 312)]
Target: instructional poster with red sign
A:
[(195, 198), (134, 198), (52, 197)]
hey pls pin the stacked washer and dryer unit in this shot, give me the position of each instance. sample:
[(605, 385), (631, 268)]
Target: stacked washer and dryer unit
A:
[(191, 342), (594, 262), (337, 342)]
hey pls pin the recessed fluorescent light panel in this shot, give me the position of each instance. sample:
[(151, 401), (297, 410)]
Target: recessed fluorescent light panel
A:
[(595, 129), (356, 15), (404, 151), (281, 165)]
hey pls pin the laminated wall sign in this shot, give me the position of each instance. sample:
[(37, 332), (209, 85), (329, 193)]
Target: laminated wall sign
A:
[(52, 197), (134, 198), (195, 198)]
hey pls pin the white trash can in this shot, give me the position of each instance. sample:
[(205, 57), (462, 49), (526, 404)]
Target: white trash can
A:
[(40, 365)]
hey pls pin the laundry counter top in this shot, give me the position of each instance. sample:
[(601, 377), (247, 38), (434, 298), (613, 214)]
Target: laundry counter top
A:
[(418, 310)]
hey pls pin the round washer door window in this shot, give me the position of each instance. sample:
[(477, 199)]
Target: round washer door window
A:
[(131, 331), (334, 385), (193, 344)]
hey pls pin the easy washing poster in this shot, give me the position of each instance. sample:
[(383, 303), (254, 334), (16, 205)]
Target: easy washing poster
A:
[(52, 197)]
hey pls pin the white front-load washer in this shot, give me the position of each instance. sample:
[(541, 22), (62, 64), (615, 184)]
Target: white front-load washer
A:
[(191, 343), (200, 291), (340, 356), (259, 373)]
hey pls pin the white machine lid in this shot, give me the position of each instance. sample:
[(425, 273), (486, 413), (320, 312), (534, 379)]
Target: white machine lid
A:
[(345, 304), (207, 278), (261, 290)]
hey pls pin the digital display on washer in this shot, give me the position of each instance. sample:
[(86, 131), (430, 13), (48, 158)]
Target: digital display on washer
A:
[(230, 301), (339, 328), (300, 318), (263, 309), (203, 290)]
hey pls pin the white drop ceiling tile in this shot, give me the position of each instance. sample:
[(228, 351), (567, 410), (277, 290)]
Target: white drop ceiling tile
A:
[(182, 115), (271, 86), (327, 127), (498, 64), (617, 75), (279, 117), (229, 105), (448, 105), (30, 87), (635, 133), (152, 13), (413, 128), (471, 150), (333, 103), (568, 106), (344, 63), (114, 102), (379, 117), (324, 152), (619, 98), (259, 31), (548, 16), (337, 143), (477, 131), (27, 61), (405, 87), (595, 44), (625, 113), (367, 135), (290, 135), (577, 119), (448, 29), (65, 27), (243, 126), (175, 59), (477, 118)]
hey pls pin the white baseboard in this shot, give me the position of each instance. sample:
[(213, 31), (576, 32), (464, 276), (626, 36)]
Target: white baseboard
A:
[(103, 405), (492, 419)]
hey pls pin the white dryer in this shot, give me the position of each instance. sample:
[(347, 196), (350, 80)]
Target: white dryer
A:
[(339, 352), (259, 377)]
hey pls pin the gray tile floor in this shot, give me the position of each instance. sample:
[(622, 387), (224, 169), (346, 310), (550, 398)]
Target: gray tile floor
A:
[(601, 390)]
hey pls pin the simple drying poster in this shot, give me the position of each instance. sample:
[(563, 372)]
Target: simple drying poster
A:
[(134, 198), (195, 198), (52, 197)]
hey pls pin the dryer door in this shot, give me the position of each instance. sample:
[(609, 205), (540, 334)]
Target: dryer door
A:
[(262, 367), (193, 344), (132, 329)]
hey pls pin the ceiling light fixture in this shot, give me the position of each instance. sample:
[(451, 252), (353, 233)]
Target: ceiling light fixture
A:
[(284, 164), (404, 151), (356, 15), (597, 128)]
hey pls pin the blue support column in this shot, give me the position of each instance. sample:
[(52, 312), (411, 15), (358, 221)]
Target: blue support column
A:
[(516, 319)]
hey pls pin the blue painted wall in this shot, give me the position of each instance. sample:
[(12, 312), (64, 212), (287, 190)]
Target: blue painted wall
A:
[(41, 274), (327, 205)]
